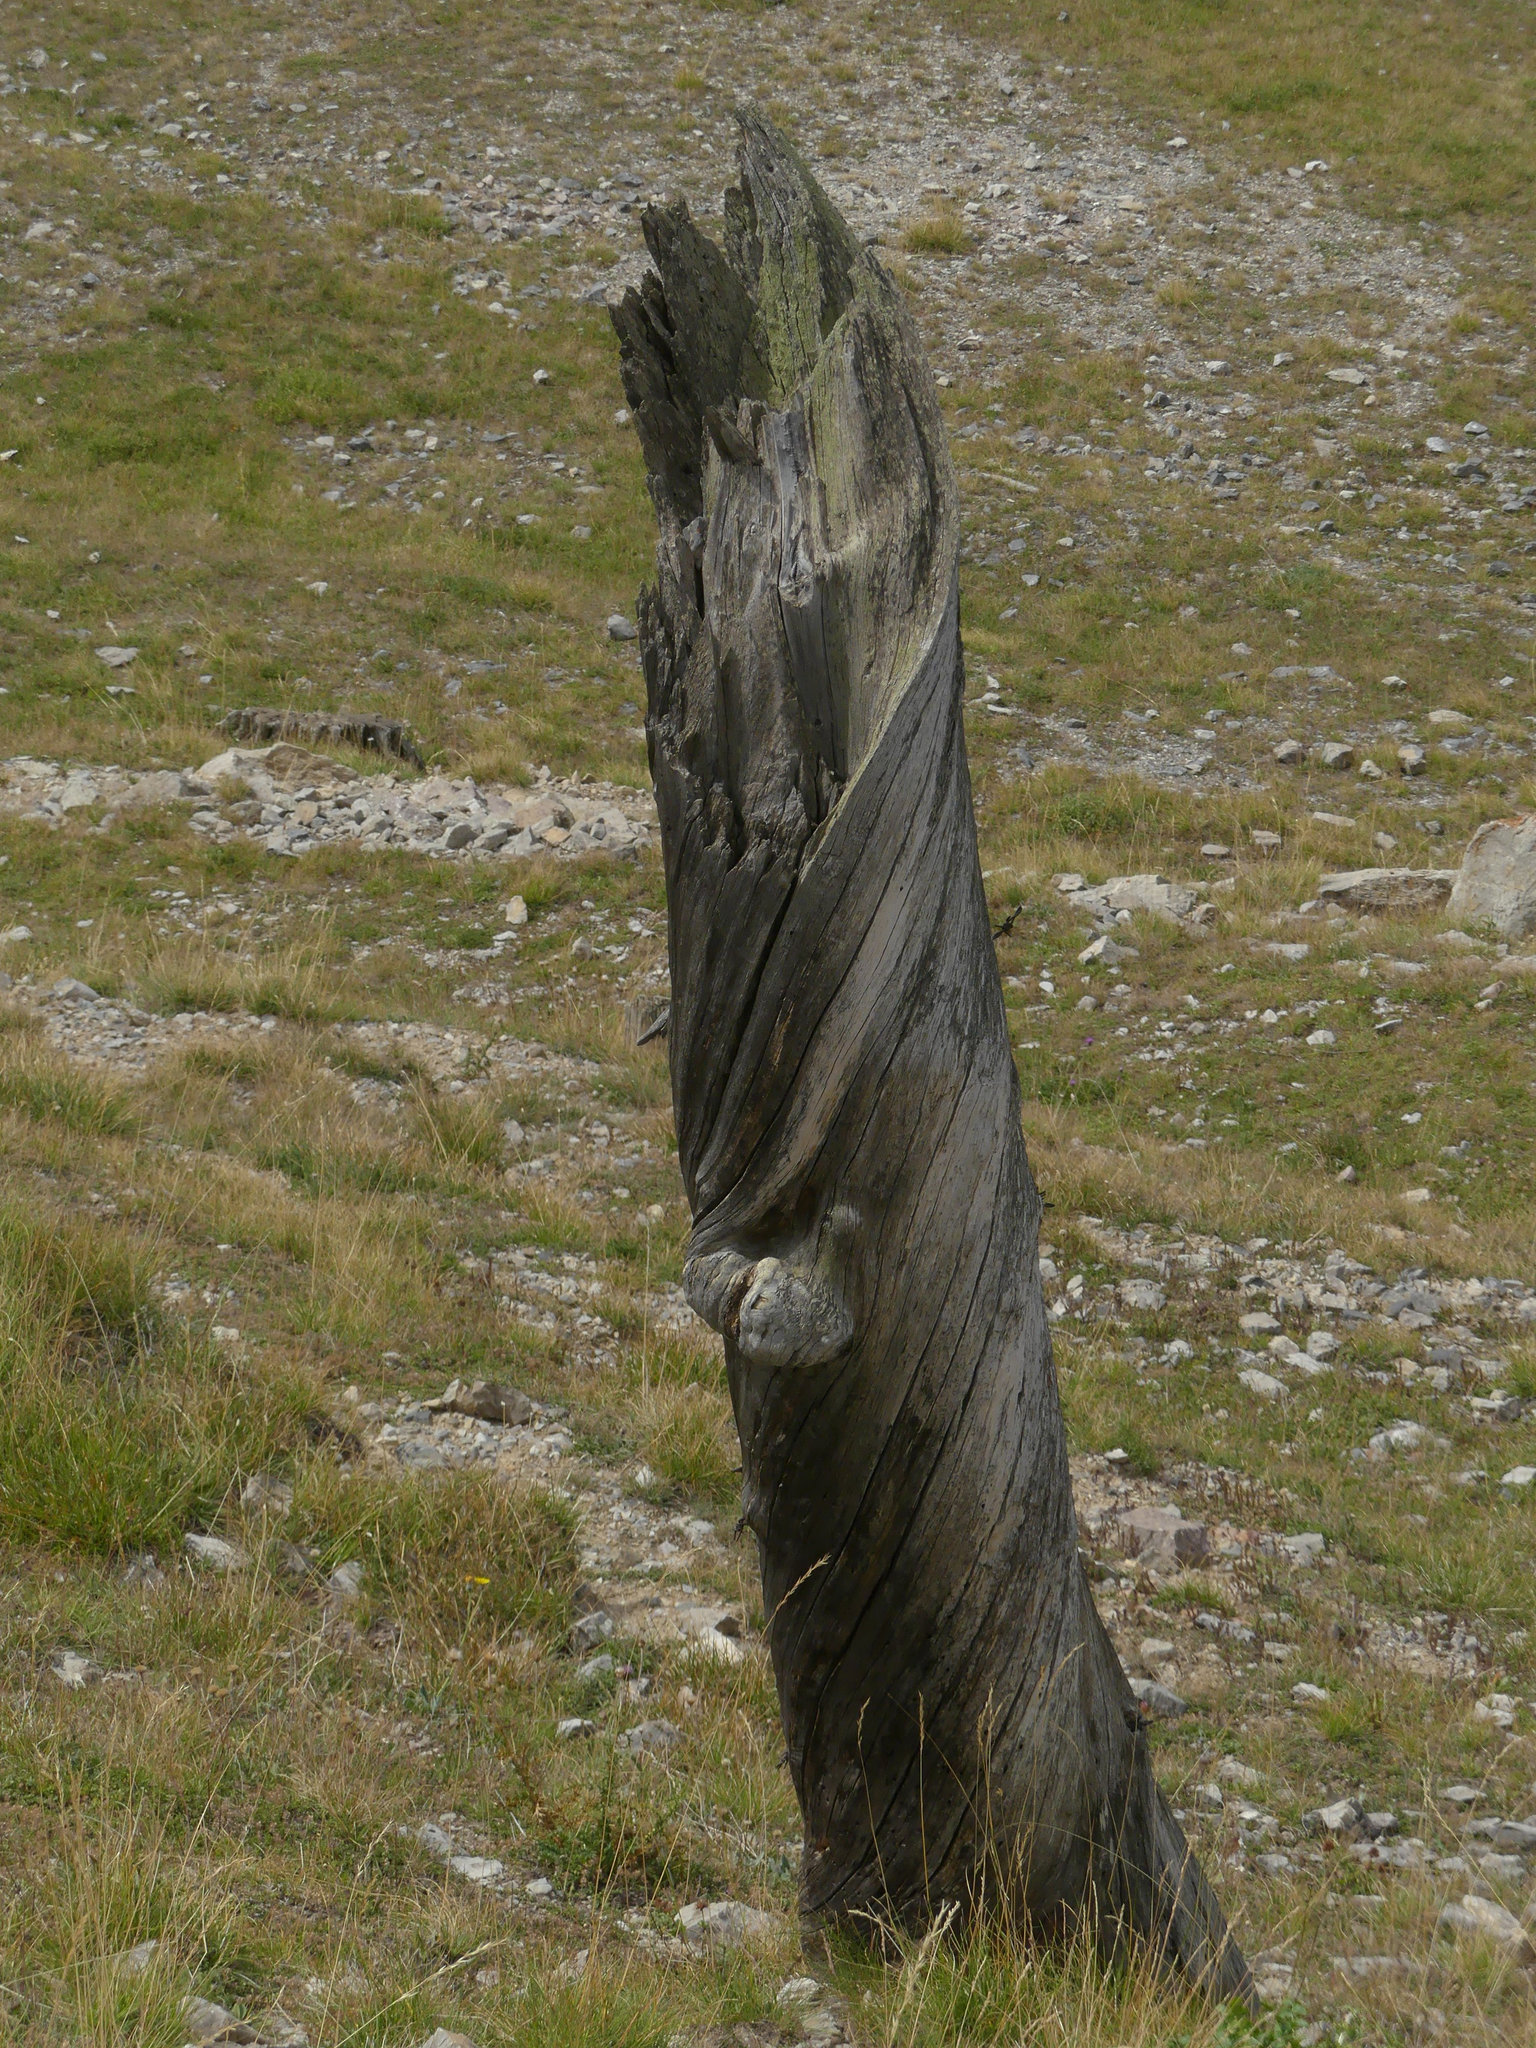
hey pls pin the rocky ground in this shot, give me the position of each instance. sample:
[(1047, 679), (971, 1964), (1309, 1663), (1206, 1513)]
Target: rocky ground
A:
[(380, 1651)]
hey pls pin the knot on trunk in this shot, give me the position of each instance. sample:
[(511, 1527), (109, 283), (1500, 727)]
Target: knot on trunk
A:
[(776, 1311)]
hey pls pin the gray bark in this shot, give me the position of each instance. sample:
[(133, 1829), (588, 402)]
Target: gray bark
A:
[(864, 1220)]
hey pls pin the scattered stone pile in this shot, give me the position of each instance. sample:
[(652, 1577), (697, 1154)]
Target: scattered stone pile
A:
[(289, 800)]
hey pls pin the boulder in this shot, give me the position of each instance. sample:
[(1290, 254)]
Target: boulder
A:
[(1157, 1703), (1161, 1538), (1151, 893), (484, 1400), (348, 728), (1388, 888), (1486, 1920), (1497, 879)]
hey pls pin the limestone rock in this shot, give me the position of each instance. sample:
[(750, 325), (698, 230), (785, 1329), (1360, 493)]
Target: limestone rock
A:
[(1388, 888), (1497, 879), (1150, 893), (485, 1400), (725, 1923), (1487, 1920), (1161, 1538), (348, 728)]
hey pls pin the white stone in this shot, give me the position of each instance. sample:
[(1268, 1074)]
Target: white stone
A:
[(725, 1923), (1264, 1384), (72, 1670)]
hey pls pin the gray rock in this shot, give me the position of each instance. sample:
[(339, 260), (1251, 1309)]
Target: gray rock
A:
[(1264, 1384), (1106, 952), (359, 729), (1388, 888), (1142, 1294), (345, 1584), (1289, 753), (620, 628), (72, 1670), (435, 1840), (1156, 1701), (1400, 1436), (1344, 1821), (573, 1726), (207, 2022), (725, 1924), (1231, 1772), (591, 1629), (1149, 893), (651, 1738), (443, 2037), (1161, 1538), (1487, 1920), (117, 657), (264, 1493), (1496, 882), (214, 1554), (1412, 760), (1338, 754), (1460, 1796), (485, 1400)]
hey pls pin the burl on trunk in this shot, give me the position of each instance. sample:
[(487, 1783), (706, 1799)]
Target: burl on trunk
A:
[(864, 1219)]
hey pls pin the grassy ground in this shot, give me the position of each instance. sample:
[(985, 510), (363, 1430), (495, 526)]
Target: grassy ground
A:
[(243, 1777)]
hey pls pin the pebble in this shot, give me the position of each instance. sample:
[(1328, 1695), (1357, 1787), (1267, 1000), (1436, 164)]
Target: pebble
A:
[(214, 1553)]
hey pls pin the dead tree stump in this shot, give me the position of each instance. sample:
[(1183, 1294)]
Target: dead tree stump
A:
[(864, 1219)]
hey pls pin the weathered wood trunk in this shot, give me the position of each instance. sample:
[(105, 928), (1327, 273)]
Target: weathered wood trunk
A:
[(864, 1219)]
